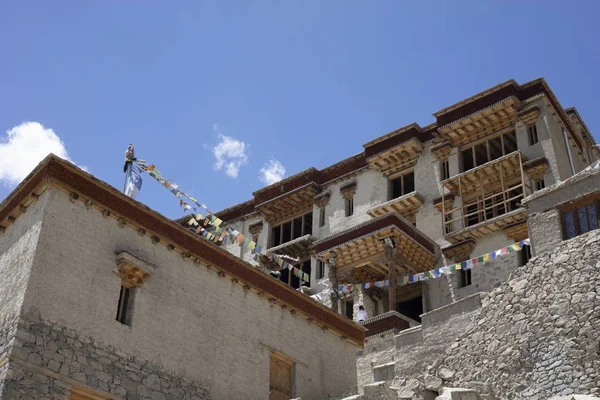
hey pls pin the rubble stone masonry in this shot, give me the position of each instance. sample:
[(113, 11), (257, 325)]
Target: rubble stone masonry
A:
[(534, 337)]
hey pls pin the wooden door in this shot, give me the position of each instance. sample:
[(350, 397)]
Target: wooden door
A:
[(281, 378)]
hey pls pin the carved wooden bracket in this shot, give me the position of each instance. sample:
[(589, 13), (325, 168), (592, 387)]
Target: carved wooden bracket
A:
[(348, 190)]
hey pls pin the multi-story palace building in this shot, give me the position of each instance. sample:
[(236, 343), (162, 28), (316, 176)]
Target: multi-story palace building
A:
[(443, 193)]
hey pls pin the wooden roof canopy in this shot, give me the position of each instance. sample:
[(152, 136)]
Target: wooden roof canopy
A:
[(397, 158), (406, 205), (481, 123), (289, 204), (359, 251)]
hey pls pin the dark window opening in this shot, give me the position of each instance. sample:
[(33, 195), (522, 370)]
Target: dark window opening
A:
[(495, 148), (524, 255), (124, 307), (465, 277), (510, 142), (489, 150), (409, 183), (276, 233), (290, 230), (297, 228), (444, 170), (286, 235), (532, 134), (412, 308), (308, 221), (320, 270), (481, 155), (539, 184), (349, 207), (349, 309), (322, 216), (402, 185), (467, 159)]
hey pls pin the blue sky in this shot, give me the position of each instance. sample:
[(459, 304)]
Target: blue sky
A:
[(304, 83)]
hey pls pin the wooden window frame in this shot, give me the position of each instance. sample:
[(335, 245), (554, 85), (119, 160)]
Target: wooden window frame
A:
[(466, 278), (291, 221), (486, 140), (444, 170), (320, 273), (125, 305), (532, 135), (349, 206), (322, 217), (401, 176), (573, 207), (539, 184), (275, 355)]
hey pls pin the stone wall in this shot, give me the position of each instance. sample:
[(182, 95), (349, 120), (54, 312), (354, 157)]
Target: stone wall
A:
[(534, 337), (48, 359), (187, 320), (17, 252), (484, 278)]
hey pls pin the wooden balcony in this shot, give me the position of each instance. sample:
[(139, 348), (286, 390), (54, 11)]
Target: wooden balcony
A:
[(490, 197), (360, 253), (406, 205)]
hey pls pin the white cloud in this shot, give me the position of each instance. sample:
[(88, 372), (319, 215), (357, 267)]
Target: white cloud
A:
[(230, 154), (272, 172), (26, 145)]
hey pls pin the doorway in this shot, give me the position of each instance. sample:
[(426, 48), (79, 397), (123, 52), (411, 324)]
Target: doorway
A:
[(412, 308)]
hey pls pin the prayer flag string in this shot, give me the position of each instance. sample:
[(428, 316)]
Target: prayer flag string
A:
[(438, 272), (216, 234)]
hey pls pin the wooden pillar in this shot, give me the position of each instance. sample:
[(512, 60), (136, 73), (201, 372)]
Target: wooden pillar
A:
[(334, 284), (390, 253)]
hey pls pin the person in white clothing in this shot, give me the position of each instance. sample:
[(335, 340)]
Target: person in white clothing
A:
[(362, 314)]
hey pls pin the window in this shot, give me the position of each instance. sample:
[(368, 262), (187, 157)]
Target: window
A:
[(291, 230), (125, 306), (320, 270), (524, 255), (580, 218), (488, 150), (444, 170), (402, 185), (539, 184), (532, 134), (322, 216), (349, 207), (465, 277)]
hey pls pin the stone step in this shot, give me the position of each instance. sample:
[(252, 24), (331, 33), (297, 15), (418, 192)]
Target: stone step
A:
[(379, 391), (384, 372), (458, 394)]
